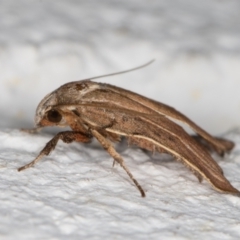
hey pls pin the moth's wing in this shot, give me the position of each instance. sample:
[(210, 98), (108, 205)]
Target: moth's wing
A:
[(151, 131), (217, 144), (173, 139)]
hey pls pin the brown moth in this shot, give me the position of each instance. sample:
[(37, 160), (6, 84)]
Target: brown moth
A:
[(108, 113)]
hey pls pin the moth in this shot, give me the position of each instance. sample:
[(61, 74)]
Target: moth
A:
[(108, 113)]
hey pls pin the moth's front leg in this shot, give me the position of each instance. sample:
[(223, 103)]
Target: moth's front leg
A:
[(67, 137), (116, 156)]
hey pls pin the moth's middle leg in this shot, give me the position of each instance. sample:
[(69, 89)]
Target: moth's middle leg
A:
[(116, 156)]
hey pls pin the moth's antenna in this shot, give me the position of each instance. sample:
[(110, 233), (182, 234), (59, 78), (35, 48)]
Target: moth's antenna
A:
[(126, 71)]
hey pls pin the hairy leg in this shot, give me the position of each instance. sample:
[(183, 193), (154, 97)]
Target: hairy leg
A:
[(67, 137), (108, 147)]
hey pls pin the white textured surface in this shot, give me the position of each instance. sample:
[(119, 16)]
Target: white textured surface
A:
[(75, 192)]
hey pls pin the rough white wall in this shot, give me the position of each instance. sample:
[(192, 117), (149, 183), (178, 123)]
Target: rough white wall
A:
[(75, 191)]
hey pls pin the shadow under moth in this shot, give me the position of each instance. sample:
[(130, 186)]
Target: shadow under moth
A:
[(108, 113)]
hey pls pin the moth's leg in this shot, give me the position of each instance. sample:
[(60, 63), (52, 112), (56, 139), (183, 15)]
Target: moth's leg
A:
[(198, 175), (108, 147), (67, 137), (228, 145)]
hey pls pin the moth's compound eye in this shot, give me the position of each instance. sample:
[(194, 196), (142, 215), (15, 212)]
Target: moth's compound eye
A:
[(54, 116)]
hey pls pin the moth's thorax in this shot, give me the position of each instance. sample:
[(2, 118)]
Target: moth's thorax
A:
[(73, 92)]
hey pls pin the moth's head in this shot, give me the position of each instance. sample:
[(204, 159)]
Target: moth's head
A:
[(47, 113)]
